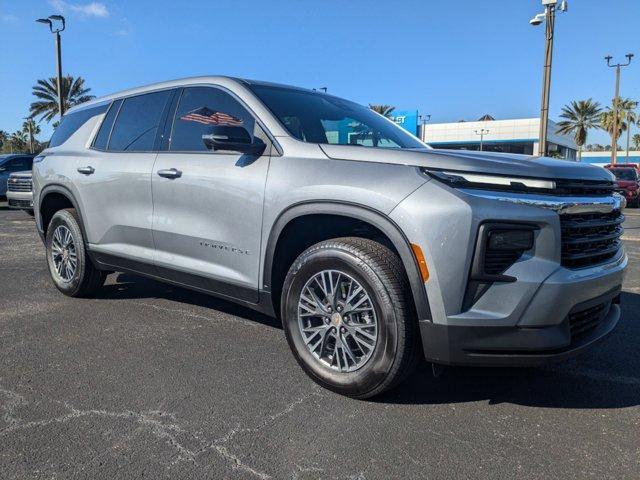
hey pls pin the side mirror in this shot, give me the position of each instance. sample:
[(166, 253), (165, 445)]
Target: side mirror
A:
[(234, 138)]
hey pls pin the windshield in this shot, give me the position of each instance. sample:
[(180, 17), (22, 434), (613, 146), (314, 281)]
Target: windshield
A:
[(625, 173), (320, 118)]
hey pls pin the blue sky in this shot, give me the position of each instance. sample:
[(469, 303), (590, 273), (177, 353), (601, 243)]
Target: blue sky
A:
[(455, 59)]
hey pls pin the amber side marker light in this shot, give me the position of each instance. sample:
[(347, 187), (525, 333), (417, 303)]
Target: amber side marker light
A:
[(422, 263)]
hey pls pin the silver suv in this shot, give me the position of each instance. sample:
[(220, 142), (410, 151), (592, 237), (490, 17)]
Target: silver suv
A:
[(372, 248)]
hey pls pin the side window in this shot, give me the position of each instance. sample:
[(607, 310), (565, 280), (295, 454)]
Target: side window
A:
[(138, 121), (18, 164), (102, 138), (199, 109), (71, 122)]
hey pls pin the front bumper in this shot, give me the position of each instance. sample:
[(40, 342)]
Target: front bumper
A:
[(21, 200), (524, 323), (520, 346)]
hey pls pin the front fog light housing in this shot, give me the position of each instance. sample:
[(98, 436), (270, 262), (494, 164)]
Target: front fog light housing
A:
[(499, 245)]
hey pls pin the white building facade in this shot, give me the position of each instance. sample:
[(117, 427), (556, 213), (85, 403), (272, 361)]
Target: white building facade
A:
[(509, 136)]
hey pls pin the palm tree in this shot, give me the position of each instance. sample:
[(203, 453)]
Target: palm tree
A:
[(18, 141), (384, 110), (636, 141), (579, 117), (4, 136), (31, 128), (607, 121), (628, 107), (73, 93)]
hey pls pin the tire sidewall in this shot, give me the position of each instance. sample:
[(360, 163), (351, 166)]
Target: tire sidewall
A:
[(378, 366), (66, 218)]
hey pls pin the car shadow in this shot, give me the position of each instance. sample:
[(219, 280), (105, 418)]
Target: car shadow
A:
[(131, 286), (606, 376)]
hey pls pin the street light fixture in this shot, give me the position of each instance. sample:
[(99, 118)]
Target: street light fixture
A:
[(549, 16), (482, 132), (616, 100), (56, 30)]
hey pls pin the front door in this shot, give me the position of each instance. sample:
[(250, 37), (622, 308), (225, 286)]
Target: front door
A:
[(207, 217)]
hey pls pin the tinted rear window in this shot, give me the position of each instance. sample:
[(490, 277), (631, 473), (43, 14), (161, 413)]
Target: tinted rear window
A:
[(138, 121), (105, 129), (72, 122)]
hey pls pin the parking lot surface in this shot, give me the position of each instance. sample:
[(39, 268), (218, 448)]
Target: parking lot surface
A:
[(149, 380)]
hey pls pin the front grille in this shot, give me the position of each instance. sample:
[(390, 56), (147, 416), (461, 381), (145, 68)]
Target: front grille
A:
[(587, 319), (584, 187), (19, 184), (589, 239)]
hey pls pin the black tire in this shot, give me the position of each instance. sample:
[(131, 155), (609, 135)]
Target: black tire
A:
[(86, 279), (380, 272)]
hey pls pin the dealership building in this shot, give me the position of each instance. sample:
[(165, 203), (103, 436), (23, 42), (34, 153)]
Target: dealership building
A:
[(509, 136)]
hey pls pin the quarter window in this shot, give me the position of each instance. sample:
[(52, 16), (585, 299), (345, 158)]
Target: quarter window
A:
[(200, 109), (71, 122), (137, 123), (102, 139)]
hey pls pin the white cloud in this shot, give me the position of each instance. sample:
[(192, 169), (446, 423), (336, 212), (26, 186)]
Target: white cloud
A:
[(93, 9), (8, 18)]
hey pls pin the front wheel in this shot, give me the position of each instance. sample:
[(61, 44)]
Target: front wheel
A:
[(347, 317), (69, 265)]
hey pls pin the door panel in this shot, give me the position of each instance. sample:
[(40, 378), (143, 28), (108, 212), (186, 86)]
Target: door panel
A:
[(207, 219), (208, 222), (116, 204)]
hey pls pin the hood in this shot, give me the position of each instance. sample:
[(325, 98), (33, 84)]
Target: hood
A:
[(627, 183), (468, 161)]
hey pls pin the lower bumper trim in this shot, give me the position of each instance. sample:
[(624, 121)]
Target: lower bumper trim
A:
[(513, 346)]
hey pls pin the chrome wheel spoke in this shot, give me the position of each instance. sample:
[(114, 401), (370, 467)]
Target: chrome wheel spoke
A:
[(337, 320)]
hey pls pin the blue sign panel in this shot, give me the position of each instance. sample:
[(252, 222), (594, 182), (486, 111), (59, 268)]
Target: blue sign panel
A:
[(407, 119)]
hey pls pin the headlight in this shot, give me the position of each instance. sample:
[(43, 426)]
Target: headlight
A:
[(492, 182)]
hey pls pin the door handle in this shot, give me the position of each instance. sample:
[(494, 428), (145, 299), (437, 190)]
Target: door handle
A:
[(86, 170), (170, 173)]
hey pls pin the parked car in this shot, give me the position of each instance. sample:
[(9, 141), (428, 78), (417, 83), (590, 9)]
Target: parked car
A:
[(628, 184), (19, 191), (10, 163), (372, 248)]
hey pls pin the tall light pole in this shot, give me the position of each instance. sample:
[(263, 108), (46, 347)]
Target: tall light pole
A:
[(549, 17), (616, 101), (56, 31), (482, 132), (422, 121)]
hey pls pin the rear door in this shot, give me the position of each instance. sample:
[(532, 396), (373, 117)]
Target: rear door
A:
[(115, 181), (207, 218)]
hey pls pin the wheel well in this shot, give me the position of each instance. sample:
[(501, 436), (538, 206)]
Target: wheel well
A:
[(302, 232), (50, 204)]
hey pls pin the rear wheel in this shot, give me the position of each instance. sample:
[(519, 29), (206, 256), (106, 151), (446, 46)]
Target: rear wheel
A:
[(347, 317), (69, 265)]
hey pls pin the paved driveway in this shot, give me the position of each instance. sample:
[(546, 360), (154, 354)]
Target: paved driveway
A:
[(154, 381)]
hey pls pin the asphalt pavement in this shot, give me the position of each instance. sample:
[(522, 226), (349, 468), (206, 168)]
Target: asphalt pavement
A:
[(151, 381)]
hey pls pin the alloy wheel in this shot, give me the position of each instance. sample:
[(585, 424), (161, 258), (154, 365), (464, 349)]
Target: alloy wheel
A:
[(337, 320), (63, 253)]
